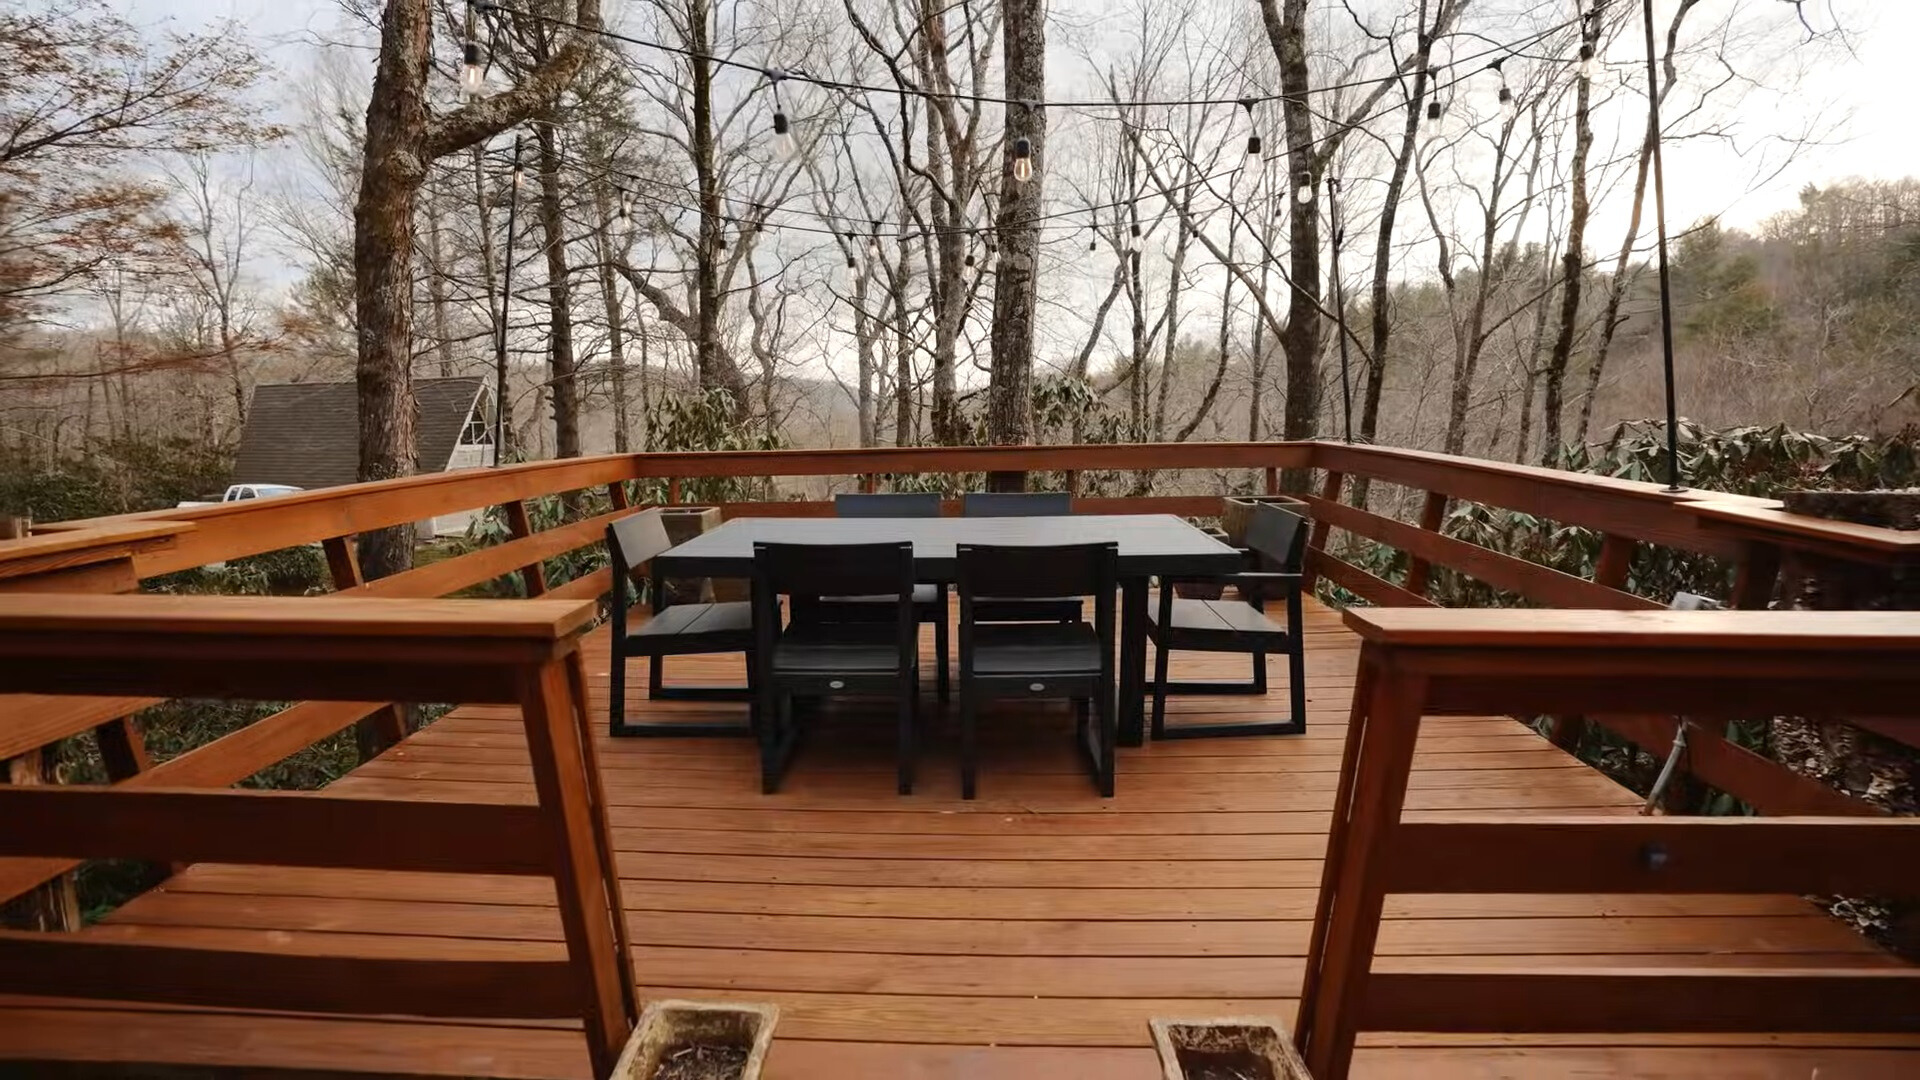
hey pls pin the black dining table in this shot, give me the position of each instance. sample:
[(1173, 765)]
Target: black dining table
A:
[(1149, 545)]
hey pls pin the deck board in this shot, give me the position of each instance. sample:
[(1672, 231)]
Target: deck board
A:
[(1028, 934)]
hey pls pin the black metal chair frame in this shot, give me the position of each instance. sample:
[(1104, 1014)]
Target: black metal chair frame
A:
[(646, 538), (1015, 572), (850, 569), (897, 504), (1276, 544), (1054, 608)]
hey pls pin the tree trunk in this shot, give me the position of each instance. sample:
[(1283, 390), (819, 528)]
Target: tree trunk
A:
[(437, 289), (393, 169), (560, 368), (401, 140), (1552, 398), (616, 329), (1010, 390), (1300, 342), (713, 365)]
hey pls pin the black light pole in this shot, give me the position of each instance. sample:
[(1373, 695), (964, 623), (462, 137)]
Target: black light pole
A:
[(506, 300), (1660, 230), (1340, 301)]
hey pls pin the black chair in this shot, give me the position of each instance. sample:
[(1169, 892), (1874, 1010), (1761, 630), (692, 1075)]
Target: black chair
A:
[(1039, 660), (812, 659), (929, 599), (673, 630), (1276, 541), (1054, 608)]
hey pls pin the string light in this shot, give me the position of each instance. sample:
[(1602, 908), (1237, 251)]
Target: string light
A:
[(519, 177), (1102, 106), (473, 78), (1303, 189), (783, 146), (1509, 108), (1586, 62), (1022, 159), (873, 243), (1253, 136), (1433, 103)]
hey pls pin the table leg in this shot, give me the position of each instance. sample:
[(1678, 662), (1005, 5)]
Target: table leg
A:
[(1133, 660)]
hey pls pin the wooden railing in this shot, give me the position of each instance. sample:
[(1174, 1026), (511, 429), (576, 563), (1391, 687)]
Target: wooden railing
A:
[(1416, 664), (117, 553), (522, 653)]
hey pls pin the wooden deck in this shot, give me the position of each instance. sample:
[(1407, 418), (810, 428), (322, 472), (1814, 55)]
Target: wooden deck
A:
[(1028, 934)]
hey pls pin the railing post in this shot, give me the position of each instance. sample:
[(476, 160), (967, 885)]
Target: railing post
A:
[(588, 908), (1616, 558), (53, 906), (383, 727), (1329, 491), (534, 575), (1432, 514), (1073, 483), (1754, 582), (617, 494), (869, 483), (1273, 481), (673, 491), (123, 749)]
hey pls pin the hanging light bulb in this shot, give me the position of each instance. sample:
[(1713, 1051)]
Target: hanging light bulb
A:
[(1509, 108), (969, 260), (473, 78), (852, 263), (1023, 159), (1587, 59), (1433, 110), (783, 144), (1253, 137), (1303, 189), (873, 243), (519, 175)]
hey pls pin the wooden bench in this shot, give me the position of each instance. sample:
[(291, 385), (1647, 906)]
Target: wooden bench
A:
[(1429, 662), (523, 653)]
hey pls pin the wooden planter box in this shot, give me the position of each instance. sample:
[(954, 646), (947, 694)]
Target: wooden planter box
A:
[(1236, 510), (683, 523), (668, 1027), (1251, 1048)]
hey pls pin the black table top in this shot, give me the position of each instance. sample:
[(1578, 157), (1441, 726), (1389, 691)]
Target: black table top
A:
[(1149, 543)]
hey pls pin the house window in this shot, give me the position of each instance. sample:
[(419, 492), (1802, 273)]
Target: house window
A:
[(477, 432)]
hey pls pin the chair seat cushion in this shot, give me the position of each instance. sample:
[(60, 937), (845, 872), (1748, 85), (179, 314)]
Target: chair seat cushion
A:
[(697, 620), (837, 648), (1222, 617), (1050, 649)]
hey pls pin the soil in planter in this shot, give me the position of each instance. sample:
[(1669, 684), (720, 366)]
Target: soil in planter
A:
[(1222, 1053), (1239, 1064), (701, 1061)]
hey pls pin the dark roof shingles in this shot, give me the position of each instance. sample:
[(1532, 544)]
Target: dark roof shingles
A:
[(308, 434)]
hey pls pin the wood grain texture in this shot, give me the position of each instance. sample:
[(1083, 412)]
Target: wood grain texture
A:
[(902, 936)]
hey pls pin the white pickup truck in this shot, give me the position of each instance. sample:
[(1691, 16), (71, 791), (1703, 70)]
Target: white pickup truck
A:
[(236, 492)]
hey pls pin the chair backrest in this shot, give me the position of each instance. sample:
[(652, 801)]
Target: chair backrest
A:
[(1278, 538), (1016, 504), (894, 504), (834, 569), (632, 542), (1024, 571)]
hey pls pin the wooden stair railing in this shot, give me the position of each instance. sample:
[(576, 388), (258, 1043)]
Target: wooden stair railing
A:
[(1425, 662), (328, 650)]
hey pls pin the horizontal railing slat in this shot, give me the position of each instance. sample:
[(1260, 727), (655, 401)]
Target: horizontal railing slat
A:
[(1664, 855), (278, 828), (82, 966), (1864, 1000), (1373, 589), (1540, 584)]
